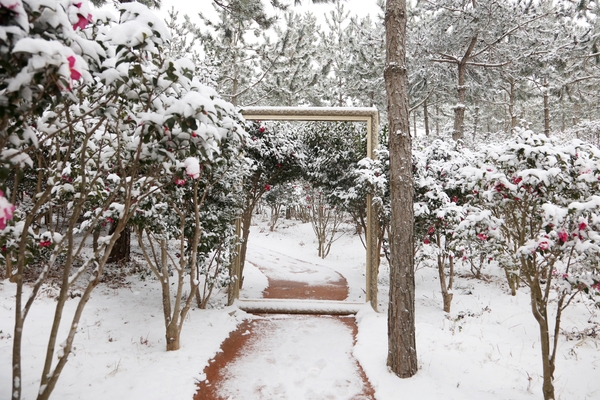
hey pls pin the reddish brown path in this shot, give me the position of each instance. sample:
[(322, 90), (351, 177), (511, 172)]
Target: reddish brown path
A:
[(233, 347)]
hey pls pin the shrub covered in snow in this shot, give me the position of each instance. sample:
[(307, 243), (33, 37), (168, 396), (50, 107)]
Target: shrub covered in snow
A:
[(540, 206), (95, 122)]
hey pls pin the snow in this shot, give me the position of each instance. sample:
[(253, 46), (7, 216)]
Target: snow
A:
[(486, 348), (305, 357)]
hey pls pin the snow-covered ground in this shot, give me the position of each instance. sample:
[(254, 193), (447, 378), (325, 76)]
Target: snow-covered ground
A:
[(295, 357), (486, 348)]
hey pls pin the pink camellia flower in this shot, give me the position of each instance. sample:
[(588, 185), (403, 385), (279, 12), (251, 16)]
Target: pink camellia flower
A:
[(10, 5), (45, 243), (179, 181), (543, 245), (431, 230), (482, 236), (582, 225), (6, 210), (75, 75), (426, 241), (82, 21), (563, 236)]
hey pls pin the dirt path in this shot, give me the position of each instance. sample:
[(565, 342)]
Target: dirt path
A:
[(256, 361)]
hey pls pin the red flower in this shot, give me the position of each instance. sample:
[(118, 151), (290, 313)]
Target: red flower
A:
[(582, 225), (45, 243), (455, 199), (516, 180), (563, 236), (431, 230), (179, 181), (482, 236), (75, 75), (426, 241), (262, 129), (544, 245), (194, 134), (267, 187), (82, 21)]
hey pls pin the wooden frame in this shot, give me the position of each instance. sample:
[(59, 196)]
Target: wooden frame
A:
[(370, 116)]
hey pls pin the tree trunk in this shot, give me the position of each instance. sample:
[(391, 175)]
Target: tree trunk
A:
[(246, 221), (511, 106), (122, 248), (426, 117), (437, 118), (475, 122), (402, 352), (173, 335), (446, 288), (540, 312), (546, 109), (459, 109), (17, 340)]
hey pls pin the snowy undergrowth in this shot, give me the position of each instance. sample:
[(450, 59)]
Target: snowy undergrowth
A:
[(119, 350), (486, 348)]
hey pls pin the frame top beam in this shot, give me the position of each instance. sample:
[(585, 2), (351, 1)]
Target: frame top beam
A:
[(311, 113)]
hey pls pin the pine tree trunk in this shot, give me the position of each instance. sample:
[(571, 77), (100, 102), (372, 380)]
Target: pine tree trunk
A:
[(511, 106), (459, 109), (426, 118), (437, 118), (475, 122), (546, 109), (402, 352)]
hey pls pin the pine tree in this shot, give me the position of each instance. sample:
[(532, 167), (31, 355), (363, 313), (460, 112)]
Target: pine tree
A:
[(402, 352)]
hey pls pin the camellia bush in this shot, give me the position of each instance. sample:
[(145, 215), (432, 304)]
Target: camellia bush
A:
[(439, 209), (276, 154), (95, 121), (539, 203)]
